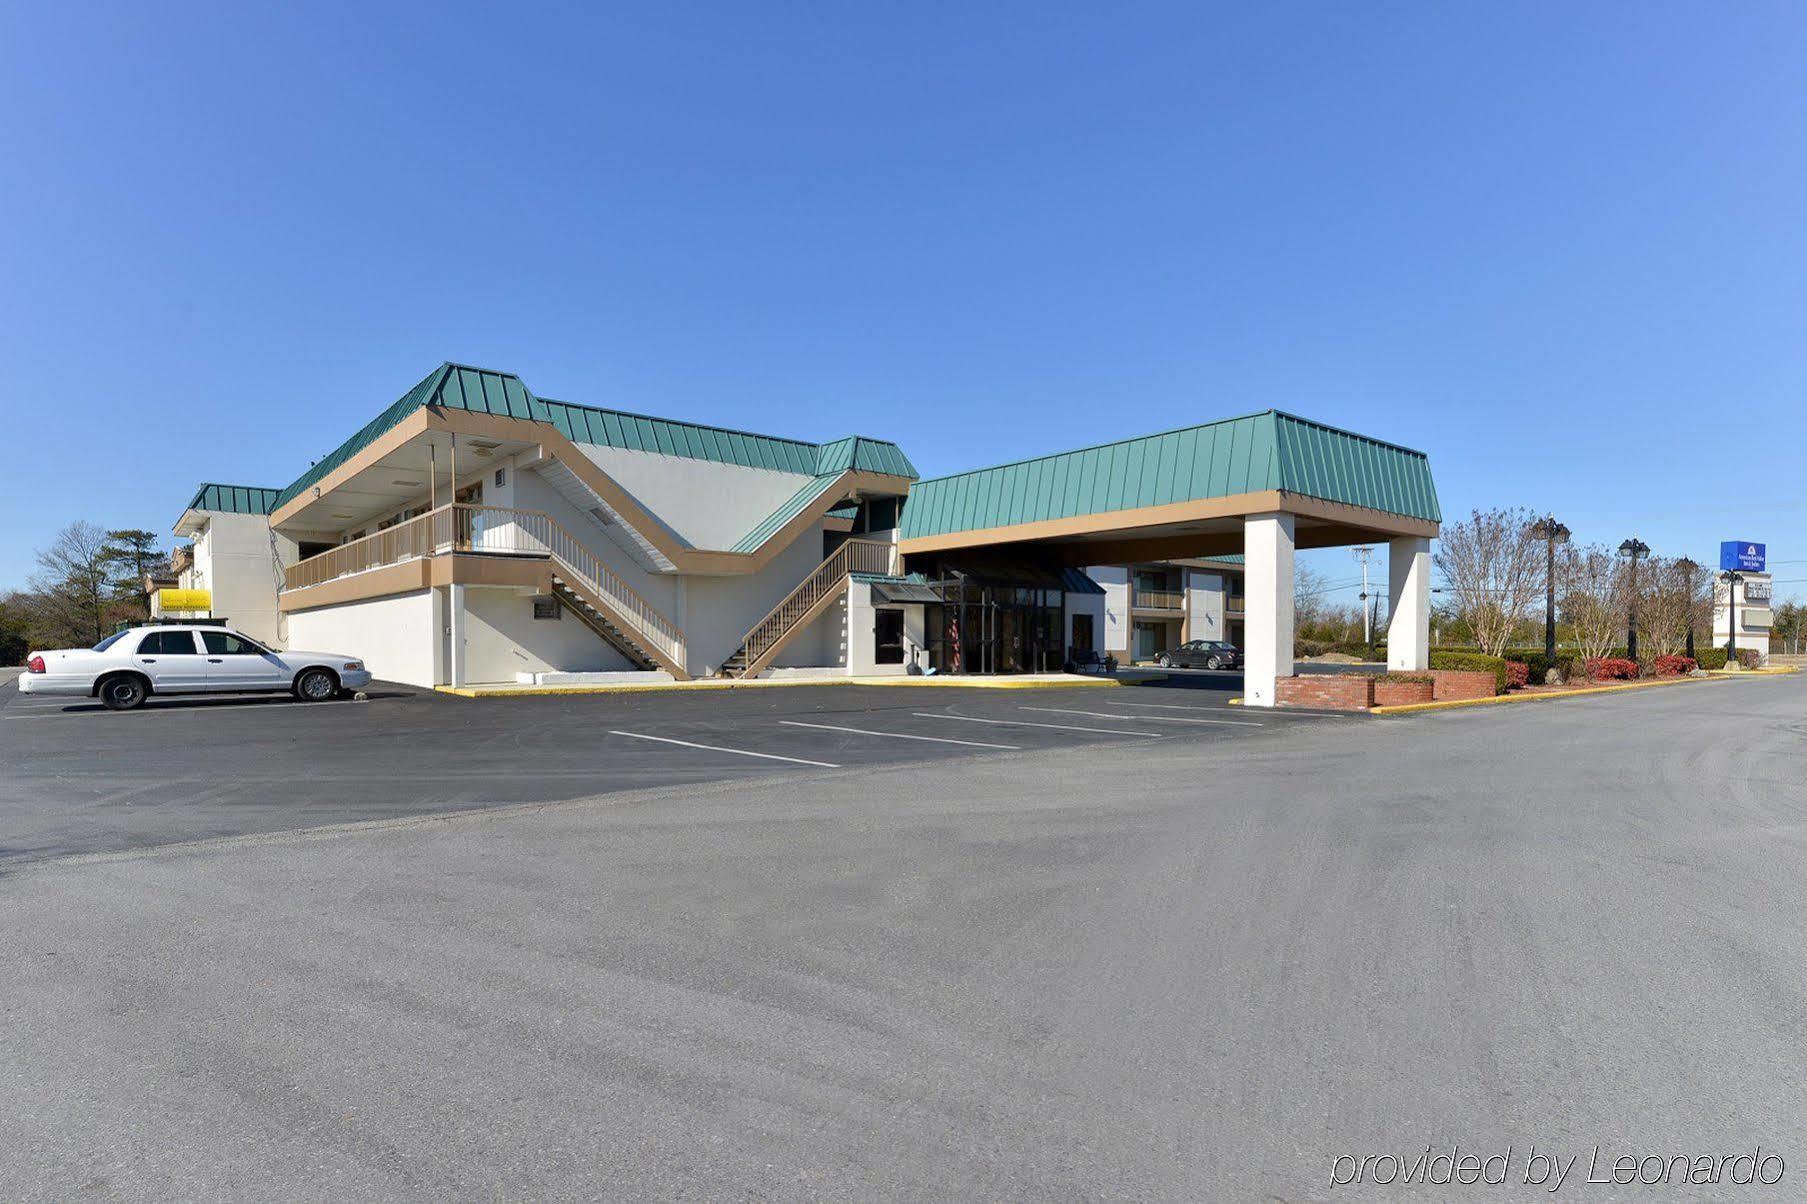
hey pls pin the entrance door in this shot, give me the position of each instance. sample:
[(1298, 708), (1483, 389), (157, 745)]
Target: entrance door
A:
[(887, 637), (1148, 641), (1082, 633)]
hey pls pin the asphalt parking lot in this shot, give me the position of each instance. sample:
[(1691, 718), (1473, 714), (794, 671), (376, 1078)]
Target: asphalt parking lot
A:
[(77, 778), (1201, 964)]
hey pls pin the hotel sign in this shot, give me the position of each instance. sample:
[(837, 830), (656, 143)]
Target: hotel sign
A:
[(1740, 556)]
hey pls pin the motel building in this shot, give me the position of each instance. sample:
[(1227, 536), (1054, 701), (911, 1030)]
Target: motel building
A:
[(474, 532)]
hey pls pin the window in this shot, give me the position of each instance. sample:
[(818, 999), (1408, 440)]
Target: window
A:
[(110, 641), (167, 643), (501, 477), (225, 643)]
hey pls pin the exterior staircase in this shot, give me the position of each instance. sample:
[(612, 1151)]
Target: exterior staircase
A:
[(803, 605), (586, 586), (576, 600)]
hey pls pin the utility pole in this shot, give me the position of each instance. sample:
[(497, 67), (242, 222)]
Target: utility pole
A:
[(1634, 548), (1362, 554), (1552, 533)]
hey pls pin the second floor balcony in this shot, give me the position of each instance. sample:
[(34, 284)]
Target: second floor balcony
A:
[(1157, 599)]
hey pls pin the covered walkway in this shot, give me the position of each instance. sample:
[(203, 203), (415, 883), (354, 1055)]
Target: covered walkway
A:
[(1263, 485)]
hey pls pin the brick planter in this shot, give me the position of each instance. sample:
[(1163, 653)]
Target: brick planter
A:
[(1462, 683), (1403, 693), (1326, 691)]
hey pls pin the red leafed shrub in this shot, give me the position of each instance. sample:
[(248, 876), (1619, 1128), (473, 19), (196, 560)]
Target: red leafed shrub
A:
[(1674, 666), (1607, 668), (1517, 674)]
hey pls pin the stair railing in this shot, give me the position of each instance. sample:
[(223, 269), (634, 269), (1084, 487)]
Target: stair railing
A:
[(854, 556), (507, 530)]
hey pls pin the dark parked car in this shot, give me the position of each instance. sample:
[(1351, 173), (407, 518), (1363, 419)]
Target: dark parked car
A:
[(1201, 654)]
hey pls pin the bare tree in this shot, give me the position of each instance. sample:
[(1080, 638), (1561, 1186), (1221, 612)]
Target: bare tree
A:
[(1493, 569), (1592, 588), (1677, 592), (73, 590), (1310, 597)]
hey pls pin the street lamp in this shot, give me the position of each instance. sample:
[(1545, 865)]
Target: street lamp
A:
[(1732, 577), (1552, 533), (1634, 548), (1687, 568)]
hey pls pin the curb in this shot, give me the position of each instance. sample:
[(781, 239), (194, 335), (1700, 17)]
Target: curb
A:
[(698, 687), (1409, 708)]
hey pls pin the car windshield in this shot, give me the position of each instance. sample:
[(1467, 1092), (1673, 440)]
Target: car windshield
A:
[(109, 641)]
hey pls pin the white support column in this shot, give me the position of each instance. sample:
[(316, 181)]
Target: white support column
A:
[(1409, 603), (1267, 541), (456, 623)]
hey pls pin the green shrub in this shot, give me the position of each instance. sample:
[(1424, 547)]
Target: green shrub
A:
[(1473, 662), (1710, 658), (1404, 677)]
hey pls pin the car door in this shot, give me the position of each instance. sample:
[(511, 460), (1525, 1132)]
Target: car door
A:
[(235, 663), (172, 661), (1189, 655)]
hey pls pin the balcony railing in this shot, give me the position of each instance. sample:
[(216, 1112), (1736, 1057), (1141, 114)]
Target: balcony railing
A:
[(1159, 599), (492, 530)]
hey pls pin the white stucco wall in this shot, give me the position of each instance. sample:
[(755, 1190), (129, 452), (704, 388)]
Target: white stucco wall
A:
[(719, 610), (1205, 605), (397, 637), (502, 638), (1087, 604), (1116, 628), (234, 561), (862, 643), (708, 505)]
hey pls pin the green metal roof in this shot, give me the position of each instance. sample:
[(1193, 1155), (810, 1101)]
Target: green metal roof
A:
[(234, 499), (1257, 452), (462, 387), (864, 455)]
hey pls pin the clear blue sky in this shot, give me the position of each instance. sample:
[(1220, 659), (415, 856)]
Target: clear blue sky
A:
[(1561, 247)]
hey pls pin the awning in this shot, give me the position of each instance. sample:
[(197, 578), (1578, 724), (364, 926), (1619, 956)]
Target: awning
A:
[(902, 591)]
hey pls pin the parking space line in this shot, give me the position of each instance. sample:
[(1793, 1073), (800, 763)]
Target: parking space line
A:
[(1064, 727), (1143, 718), (829, 727), (739, 752)]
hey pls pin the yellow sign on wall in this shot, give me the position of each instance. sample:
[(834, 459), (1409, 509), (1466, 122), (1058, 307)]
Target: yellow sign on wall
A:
[(184, 599)]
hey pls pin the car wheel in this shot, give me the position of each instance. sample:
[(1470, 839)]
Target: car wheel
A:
[(123, 691), (1164, 661), (1213, 663), (316, 685)]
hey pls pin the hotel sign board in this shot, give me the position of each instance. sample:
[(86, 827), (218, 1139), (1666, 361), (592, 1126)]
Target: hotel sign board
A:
[(1741, 556)]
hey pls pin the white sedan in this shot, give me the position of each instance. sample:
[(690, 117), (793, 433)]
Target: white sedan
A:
[(173, 658)]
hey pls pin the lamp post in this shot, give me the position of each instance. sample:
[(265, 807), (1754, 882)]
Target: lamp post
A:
[(1732, 578), (1552, 533), (1687, 568), (1633, 548)]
